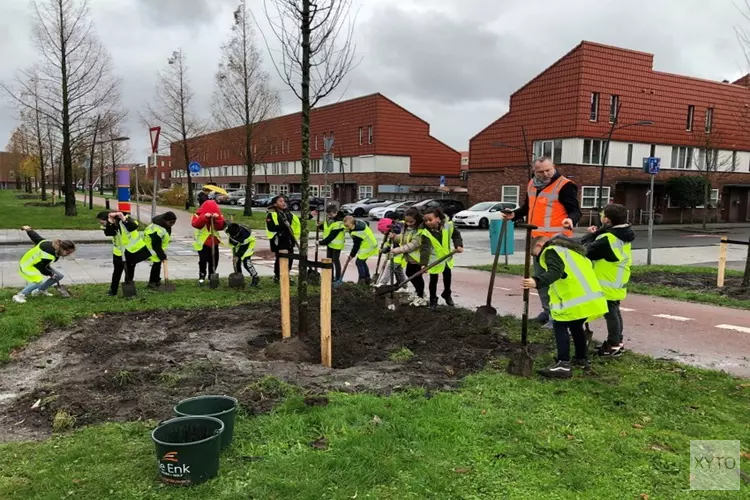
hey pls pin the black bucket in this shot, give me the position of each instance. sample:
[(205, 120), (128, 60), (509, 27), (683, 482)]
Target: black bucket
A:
[(188, 449), (222, 407)]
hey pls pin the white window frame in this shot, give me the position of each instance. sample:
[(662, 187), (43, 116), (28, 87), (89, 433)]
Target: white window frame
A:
[(365, 192), (326, 191), (510, 198), (594, 107), (284, 168), (315, 166), (273, 189), (614, 103), (361, 135), (594, 197), (590, 143), (284, 189), (690, 118), (370, 135), (314, 190), (682, 157), (709, 120)]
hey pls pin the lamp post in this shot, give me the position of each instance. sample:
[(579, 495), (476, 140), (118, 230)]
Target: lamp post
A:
[(525, 150), (91, 164)]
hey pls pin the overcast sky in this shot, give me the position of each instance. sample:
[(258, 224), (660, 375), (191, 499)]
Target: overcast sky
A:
[(452, 62)]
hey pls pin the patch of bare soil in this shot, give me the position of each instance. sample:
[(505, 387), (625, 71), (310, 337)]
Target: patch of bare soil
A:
[(138, 366), (705, 283)]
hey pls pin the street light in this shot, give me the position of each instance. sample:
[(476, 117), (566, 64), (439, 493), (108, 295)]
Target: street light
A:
[(525, 150), (91, 160)]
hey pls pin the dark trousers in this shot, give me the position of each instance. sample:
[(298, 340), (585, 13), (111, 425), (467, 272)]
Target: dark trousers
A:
[(276, 266), (447, 275), (335, 256), (120, 267), (614, 322), (362, 270), (418, 282), (206, 259), (563, 331), (248, 266), (155, 276)]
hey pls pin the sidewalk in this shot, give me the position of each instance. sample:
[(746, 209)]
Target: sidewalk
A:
[(18, 237)]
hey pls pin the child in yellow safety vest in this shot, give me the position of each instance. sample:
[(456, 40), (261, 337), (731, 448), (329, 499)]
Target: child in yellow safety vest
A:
[(207, 221), (575, 298), (437, 234), (365, 246), (609, 248), (35, 265), (128, 246), (243, 247), (334, 237), (406, 248), (157, 237)]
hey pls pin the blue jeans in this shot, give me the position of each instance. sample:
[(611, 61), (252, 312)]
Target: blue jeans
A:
[(56, 277), (362, 269)]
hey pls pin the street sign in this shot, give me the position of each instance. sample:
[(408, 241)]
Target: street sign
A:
[(328, 143), (651, 165), (154, 132), (327, 163), (194, 167), (442, 181)]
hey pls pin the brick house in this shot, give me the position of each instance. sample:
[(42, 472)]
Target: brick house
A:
[(164, 169), (380, 150), (567, 112), (10, 163)]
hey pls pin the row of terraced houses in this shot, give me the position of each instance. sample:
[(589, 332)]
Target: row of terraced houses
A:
[(566, 112)]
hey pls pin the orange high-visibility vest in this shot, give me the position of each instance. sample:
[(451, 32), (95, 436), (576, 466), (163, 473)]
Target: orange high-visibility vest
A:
[(545, 210)]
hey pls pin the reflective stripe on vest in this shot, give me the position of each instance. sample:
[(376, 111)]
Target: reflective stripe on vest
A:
[(369, 245), (250, 242), (613, 276), (296, 226), (131, 241), (340, 239), (201, 235), (578, 295), (549, 214), (440, 249), (30, 259), (406, 238), (161, 233)]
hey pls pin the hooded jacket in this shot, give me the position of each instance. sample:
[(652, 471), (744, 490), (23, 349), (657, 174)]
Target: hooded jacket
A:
[(555, 265), (601, 249), (156, 243), (200, 221)]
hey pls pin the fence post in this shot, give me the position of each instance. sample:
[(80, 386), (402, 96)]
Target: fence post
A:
[(286, 313), (722, 262), (746, 275)]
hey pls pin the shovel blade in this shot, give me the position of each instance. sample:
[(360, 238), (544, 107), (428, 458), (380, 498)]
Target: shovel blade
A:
[(63, 291), (167, 288), (213, 281), (485, 316), (236, 280), (521, 363), (128, 289), (386, 289)]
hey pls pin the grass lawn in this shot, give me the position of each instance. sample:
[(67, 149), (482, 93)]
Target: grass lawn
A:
[(704, 295), (16, 214), (623, 432)]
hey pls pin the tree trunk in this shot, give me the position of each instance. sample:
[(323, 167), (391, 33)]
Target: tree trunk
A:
[(249, 160), (41, 152), (101, 169), (746, 276), (302, 299), (682, 211), (706, 200), (189, 177), (691, 214), (67, 157)]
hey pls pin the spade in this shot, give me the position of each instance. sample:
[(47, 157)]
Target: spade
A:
[(167, 286), (236, 280), (486, 314), (521, 362), (213, 278)]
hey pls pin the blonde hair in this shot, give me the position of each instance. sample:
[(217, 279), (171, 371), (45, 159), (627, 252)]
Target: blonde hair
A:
[(349, 220)]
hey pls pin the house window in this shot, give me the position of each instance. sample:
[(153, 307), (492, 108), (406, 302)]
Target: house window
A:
[(274, 189), (170, 163), (557, 152), (614, 103), (288, 146), (162, 163), (543, 148), (314, 191), (733, 167), (630, 155), (592, 151), (708, 162), (709, 119), (370, 135), (284, 168), (713, 201), (594, 115), (360, 135), (510, 194), (275, 168), (590, 196), (681, 157), (690, 115), (314, 166), (284, 189), (652, 151), (365, 192), (316, 142), (325, 191), (163, 176)]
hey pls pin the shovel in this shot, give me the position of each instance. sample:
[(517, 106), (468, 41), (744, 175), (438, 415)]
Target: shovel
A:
[(167, 286), (521, 362), (236, 280), (313, 276), (213, 278), (385, 289), (486, 314), (343, 272), (63, 291), (128, 287), (380, 256)]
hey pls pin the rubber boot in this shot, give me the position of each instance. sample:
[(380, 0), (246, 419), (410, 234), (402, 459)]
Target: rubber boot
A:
[(433, 304), (448, 299), (255, 282)]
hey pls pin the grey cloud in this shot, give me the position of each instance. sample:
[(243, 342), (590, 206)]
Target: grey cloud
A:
[(181, 12)]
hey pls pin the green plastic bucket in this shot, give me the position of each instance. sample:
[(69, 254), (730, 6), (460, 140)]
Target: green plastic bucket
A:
[(188, 449), (222, 407)]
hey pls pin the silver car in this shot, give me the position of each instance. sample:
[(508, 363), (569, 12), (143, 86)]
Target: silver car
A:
[(362, 207)]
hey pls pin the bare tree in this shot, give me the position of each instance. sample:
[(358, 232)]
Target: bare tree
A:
[(75, 75), (317, 52), (172, 111), (711, 164), (20, 143), (243, 97)]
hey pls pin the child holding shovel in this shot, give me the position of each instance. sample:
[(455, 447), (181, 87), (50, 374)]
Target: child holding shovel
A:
[(125, 239), (157, 236), (334, 237), (283, 229), (394, 265), (207, 221), (365, 246), (437, 234), (243, 247), (35, 265), (406, 249), (575, 298)]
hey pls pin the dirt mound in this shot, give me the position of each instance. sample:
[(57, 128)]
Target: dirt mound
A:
[(696, 282), (137, 366)]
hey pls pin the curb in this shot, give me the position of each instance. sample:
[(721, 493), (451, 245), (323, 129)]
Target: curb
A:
[(27, 243)]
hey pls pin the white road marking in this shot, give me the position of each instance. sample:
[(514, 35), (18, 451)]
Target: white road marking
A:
[(742, 329), (676, 318), (625, 309), (503, 288)]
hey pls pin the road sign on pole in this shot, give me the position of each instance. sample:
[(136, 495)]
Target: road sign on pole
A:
[(154, 132), (194, 167), (651, 166), (327, 162), (442, 181)]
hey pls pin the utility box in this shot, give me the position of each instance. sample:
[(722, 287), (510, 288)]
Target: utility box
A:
[(507, 246)]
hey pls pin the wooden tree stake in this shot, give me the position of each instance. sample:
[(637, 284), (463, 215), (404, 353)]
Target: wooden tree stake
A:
[(286, 304), (722, 262), (326, 284)]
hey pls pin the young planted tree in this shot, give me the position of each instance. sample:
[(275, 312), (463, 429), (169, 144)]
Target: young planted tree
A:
[(75, 78), (711, 165), (173, 111), (317, 52), (686, 191), (243, 97)]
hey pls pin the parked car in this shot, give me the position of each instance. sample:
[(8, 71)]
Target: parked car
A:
[(261, 200), (380, 212), (481, 214), (235, 196), (224, 198), (450, 207), (294, 201), (362, 207)]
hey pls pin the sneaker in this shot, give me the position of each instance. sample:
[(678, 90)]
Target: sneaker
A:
[(256, 282), (543, 318), (433, 304), (153, 286), (38, 292), (111, 293), (561, 369), (448, 299), (19, 298), (582, 363), (609, 350), (548, 325), (201, 281)]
